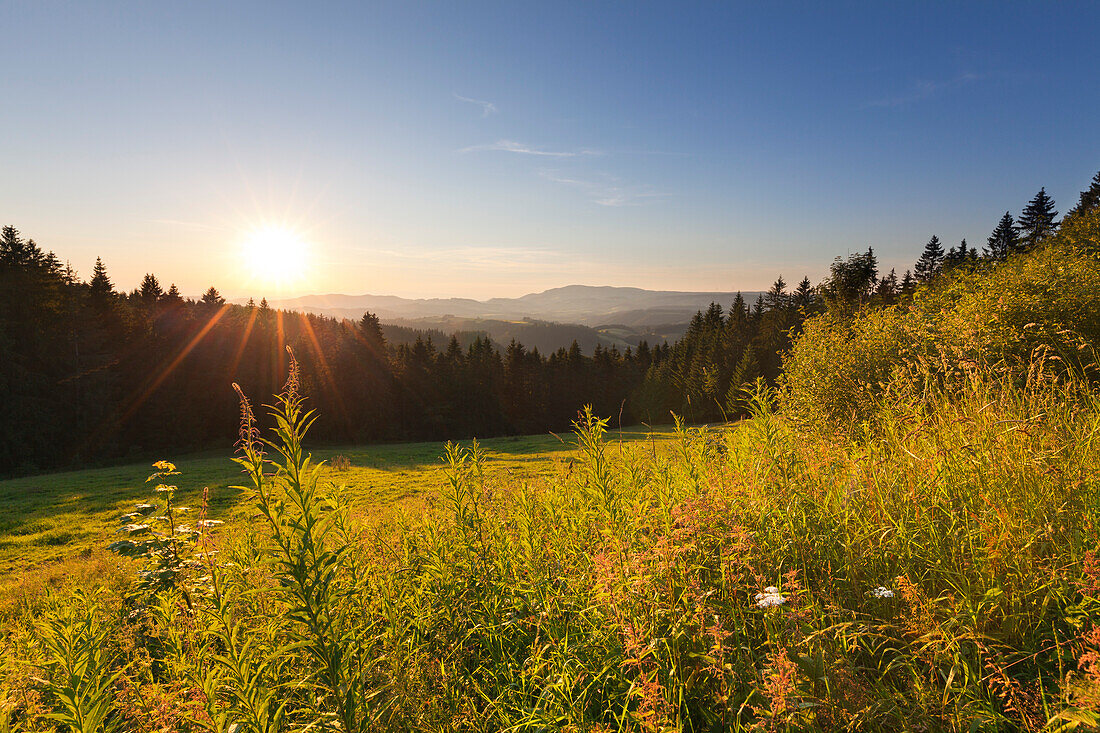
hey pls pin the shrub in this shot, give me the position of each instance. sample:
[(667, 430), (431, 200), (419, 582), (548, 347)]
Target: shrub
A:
[(1036, 308)]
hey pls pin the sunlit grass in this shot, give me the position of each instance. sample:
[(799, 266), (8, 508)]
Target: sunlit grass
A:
[(57, 516)]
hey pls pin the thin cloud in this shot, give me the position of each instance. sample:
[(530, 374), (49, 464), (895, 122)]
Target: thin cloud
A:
[(487, 108), (511, 146), (499, 258), (608, 190), (924, 89), (196, 225)]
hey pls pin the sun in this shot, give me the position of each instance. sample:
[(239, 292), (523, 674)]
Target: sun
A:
[(275, 256)]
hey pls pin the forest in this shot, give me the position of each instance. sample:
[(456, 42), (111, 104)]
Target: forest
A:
[(91, 374)]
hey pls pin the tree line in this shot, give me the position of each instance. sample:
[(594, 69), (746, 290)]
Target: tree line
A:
[(91, 374), (704, 374)]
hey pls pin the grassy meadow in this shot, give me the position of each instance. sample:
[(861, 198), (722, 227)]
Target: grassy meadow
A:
[(58, 516), (902, 536)]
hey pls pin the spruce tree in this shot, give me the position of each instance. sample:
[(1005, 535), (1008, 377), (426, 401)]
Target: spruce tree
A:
[(371, 328), (1004, 240), (777, 297), (100, 288), (173, 297), (1090, 199), (931, 260), (150, 291), (212, 297), (13, 248), (1038, 220), (803, 297), (908, 283), (960, 255)]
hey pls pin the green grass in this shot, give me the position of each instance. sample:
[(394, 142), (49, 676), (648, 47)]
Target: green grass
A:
[(57, 516)]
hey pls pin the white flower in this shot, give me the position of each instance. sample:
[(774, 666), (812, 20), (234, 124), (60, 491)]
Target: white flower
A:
[(210, 522), (770, 598), (882, 592)]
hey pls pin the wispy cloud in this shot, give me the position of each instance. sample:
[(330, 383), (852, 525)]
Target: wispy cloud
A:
[(201, 226), (488, 257), (511, 146), (487, 108), (607, 190), (924, 89)]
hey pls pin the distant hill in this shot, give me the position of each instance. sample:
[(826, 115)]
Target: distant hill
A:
[(582, 304), (546, 336)]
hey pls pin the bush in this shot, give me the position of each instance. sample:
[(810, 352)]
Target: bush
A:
[(1036, 307)]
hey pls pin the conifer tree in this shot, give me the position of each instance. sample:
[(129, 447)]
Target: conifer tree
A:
[(1038, 220), (803, 297), (173, 297), (371, 328), (101, 290), (12, 247), (776, 299), (960, 255), (150, 291), (1004, 240), (212, 297), (908, 283), (931, 260), (1090, 199)]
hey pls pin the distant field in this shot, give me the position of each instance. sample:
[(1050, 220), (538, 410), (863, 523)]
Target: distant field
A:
[(55, 516)]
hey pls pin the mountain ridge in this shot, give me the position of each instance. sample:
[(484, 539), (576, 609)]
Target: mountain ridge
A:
[(589, 305)]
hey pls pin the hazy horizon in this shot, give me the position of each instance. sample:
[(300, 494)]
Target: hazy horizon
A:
[(495, 150)]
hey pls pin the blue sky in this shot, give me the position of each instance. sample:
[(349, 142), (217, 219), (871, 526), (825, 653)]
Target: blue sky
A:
[(481, 149)]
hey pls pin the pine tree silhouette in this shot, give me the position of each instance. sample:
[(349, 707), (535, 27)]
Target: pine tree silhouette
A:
[(931, 260), (212, 297), (1038, 220), (1004, 240)]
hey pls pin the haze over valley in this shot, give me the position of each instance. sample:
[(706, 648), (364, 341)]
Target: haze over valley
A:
[(611, 316)]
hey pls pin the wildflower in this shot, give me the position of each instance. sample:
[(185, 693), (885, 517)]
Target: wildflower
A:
[(882, 592), (249, 441), (770, 598), (210, 522)]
